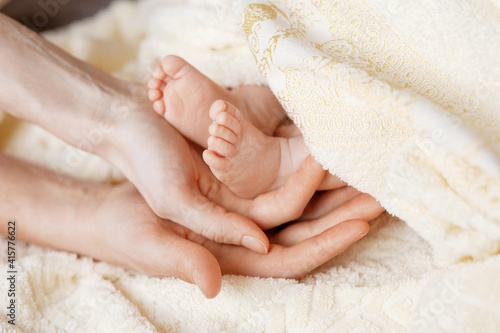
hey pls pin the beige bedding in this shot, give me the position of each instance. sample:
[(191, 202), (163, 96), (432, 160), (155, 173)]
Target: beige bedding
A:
[(388, 282)]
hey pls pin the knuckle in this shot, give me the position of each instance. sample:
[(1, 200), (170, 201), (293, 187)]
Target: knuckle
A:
[(296, 212), (214, 232), (175, 268), (210, 189), (160, 209), (294, 270)]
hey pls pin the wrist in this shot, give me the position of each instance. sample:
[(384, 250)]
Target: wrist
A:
[(105, 109), (50, 212), (114, 121)]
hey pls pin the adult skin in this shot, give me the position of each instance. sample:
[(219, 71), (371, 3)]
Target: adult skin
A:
[(42, 84), (74, 101), (103, 221)]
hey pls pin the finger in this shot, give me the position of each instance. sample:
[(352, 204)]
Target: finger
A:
[(281, 205), (169, 254), (295, 261), (207, 218), (278, 206), (331, 182), (193, 207), (324, 202), (284, 204), (289, 201), (362, 207)]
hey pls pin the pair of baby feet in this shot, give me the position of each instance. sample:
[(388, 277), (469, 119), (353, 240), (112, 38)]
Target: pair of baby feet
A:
[(234, 125)]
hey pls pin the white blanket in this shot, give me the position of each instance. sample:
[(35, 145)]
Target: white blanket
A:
[(388, 282)]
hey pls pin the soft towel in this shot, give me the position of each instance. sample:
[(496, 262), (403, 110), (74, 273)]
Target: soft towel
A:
[(388, 282)]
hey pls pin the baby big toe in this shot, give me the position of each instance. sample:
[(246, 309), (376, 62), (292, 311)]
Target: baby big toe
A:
[(216, 108), (219, 165), (172, 65)]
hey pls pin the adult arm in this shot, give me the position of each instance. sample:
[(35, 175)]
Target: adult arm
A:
[(44, 85), (113, 119)]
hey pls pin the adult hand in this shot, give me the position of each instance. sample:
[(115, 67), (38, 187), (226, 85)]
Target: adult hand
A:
[(115, 224), (293, 202), (95, 112), (158, 160), (297, 200), (334, 202), (106, 116), (327, 210), (164, 248), (179, 186)]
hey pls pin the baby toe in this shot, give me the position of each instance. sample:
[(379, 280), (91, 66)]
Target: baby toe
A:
[(228, 121), (222, 132), (216, 108), (233, 111), (214, 161), (154, 94), (154, 83), (173, 65), (159, 107), (220, 166), (159, 73), (221, 147)]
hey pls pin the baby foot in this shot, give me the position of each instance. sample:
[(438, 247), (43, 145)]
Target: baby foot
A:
[(183, 95), (241, 156)]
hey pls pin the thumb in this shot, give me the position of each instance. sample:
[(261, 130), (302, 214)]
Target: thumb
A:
[(173, 255), (278, 206), (288, 202), (208, 219)]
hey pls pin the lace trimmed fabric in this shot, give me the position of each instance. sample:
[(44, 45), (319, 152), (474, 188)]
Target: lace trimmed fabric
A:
[(400, 100)]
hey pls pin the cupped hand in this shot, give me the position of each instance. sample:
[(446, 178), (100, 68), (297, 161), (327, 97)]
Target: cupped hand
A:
[(158, 160), (297, 200), (178, 185), (126, 232)]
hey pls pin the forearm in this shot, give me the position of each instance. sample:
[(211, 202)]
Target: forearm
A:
[(40, 83), (47, 212)]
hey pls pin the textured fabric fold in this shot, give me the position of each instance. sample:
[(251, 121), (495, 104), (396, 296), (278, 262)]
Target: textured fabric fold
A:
[(387, 282), (400, 100)]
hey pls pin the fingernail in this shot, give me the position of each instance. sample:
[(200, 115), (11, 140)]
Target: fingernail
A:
[(254, 244)]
